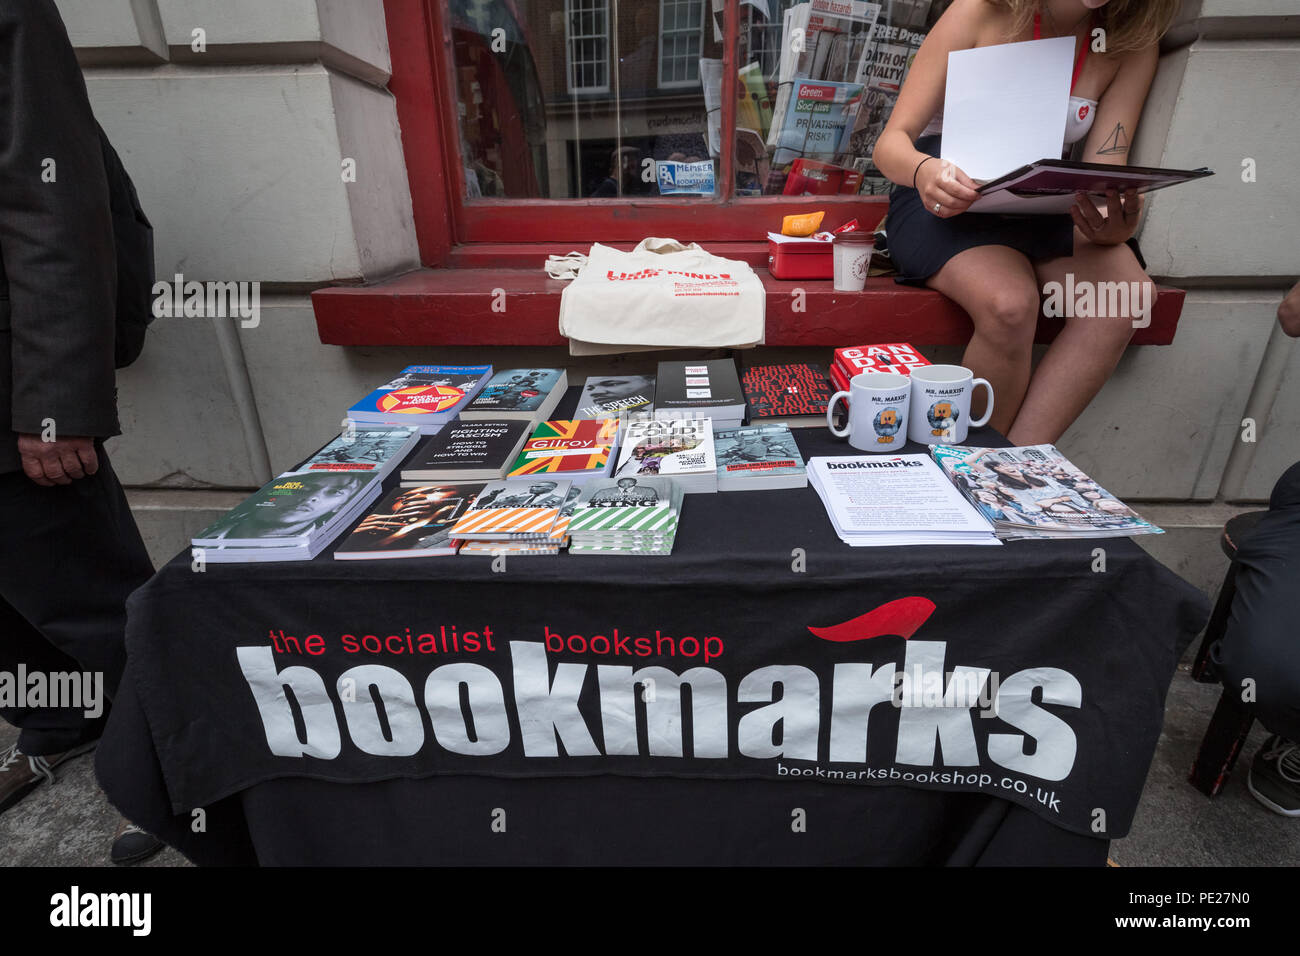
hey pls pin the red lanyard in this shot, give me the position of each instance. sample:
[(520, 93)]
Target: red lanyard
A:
[(1079, 60)]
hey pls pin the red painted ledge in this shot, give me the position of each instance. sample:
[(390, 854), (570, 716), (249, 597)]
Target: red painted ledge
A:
[(455, 306)]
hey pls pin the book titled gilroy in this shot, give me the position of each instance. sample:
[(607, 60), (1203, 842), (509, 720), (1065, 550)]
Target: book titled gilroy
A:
[(571, 448)]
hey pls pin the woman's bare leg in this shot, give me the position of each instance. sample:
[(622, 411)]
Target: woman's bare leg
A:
[(997, 286), (1086, 352)]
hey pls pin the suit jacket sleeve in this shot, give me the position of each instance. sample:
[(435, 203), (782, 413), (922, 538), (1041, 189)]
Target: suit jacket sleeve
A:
[(56, 232)]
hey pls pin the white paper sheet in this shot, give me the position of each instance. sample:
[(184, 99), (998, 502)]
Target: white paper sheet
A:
[(1006, 105)]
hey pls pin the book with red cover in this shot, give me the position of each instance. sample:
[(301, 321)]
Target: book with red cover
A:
[(799, 390), (570, 448), (896, 357)]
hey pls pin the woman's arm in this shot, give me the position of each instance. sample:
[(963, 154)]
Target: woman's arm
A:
[(919, 100), (1109, 141)]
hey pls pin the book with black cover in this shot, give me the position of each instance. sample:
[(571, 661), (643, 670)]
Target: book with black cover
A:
[(468, 451), (410, 523), (791, 394), (700, 389)]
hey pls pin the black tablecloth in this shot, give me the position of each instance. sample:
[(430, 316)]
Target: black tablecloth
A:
[(535, 742)]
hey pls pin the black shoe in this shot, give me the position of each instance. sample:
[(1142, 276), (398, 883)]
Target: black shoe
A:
[(21, 774), (1274, 777), (133, 845)]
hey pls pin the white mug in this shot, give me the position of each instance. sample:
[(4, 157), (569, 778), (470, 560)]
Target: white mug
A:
[(941, 404), (878, 403)]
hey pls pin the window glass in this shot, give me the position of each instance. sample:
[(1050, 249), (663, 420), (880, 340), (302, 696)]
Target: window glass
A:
[(579, 99), (819, 79)]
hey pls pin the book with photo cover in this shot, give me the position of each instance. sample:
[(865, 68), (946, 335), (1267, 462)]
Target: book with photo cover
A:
[(758, 457), (528, 394), (627, 515), (295, 510), (608, 396), (792, 394), (1034, 491), (428, 396), (514, 510), (410, 523), (370, 450), (467, 451), (681, 450), (570, 448)]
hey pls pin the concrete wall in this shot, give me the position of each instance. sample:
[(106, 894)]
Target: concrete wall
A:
[(237, 149)]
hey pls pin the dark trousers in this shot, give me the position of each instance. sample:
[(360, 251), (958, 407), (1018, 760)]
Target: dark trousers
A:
[(69, 556), (1260, 649)]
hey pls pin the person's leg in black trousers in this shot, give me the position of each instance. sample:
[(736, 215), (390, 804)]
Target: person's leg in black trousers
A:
[(1259, 655), (69, 556)]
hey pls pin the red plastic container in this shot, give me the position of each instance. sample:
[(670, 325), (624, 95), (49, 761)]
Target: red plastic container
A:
[(805, 259)]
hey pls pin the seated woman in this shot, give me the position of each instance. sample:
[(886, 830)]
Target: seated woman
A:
[(994, 265)]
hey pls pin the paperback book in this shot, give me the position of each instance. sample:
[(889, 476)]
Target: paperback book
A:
[(795, 394), (467, 451), (427, 396), (758, 457), (1036, 492), (410, 523), (609, 396), (898, 358), (700, 389), (514, 511), (576, 449), (681, 450), (527, 394), (302, 510), (373, 451), (628, 515)]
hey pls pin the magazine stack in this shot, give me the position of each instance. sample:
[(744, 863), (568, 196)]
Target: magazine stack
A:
[(1036, 492)]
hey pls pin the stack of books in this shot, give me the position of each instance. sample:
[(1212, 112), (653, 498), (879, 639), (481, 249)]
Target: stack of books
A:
[(557, 539), (758, 457), (296, 515), (467, 451), (426, 396), (574, 449), (525, 394), (628, 515), (681, 450), (515, 513), (700, 390), (410, 523), (898, 358)]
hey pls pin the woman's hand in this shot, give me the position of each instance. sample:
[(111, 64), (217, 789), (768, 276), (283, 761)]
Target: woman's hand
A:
[(945, 189), (1119, 223)]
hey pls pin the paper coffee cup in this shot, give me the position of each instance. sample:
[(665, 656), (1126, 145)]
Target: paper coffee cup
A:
[(852, 252)]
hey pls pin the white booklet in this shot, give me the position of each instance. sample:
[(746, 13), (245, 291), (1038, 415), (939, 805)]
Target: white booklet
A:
[(895, 500)]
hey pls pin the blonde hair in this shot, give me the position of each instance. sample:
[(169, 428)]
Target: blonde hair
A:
[(1129, 24)]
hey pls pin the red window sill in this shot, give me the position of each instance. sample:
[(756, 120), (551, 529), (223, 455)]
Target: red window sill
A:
[(463, 305)]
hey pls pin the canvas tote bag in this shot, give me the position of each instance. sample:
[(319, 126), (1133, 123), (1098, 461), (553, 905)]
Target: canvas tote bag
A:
[(662, 294)]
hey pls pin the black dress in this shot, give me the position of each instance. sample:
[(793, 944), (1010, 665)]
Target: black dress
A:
[(920, 242)]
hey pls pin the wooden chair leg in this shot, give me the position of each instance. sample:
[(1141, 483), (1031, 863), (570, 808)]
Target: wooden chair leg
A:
[(1221, 745), (1203, 667)]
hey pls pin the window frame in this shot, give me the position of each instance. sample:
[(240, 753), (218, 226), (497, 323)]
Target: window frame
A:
[(424, 89)]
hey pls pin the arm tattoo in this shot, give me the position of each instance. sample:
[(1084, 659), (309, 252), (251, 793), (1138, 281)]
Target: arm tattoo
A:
[(1116, 143)]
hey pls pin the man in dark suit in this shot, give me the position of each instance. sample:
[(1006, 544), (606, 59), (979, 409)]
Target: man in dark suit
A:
[(70, 552)]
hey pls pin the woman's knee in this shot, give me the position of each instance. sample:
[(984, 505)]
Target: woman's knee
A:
[(1009, 314)]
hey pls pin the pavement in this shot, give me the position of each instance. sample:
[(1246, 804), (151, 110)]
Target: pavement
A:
[(70, 823)]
